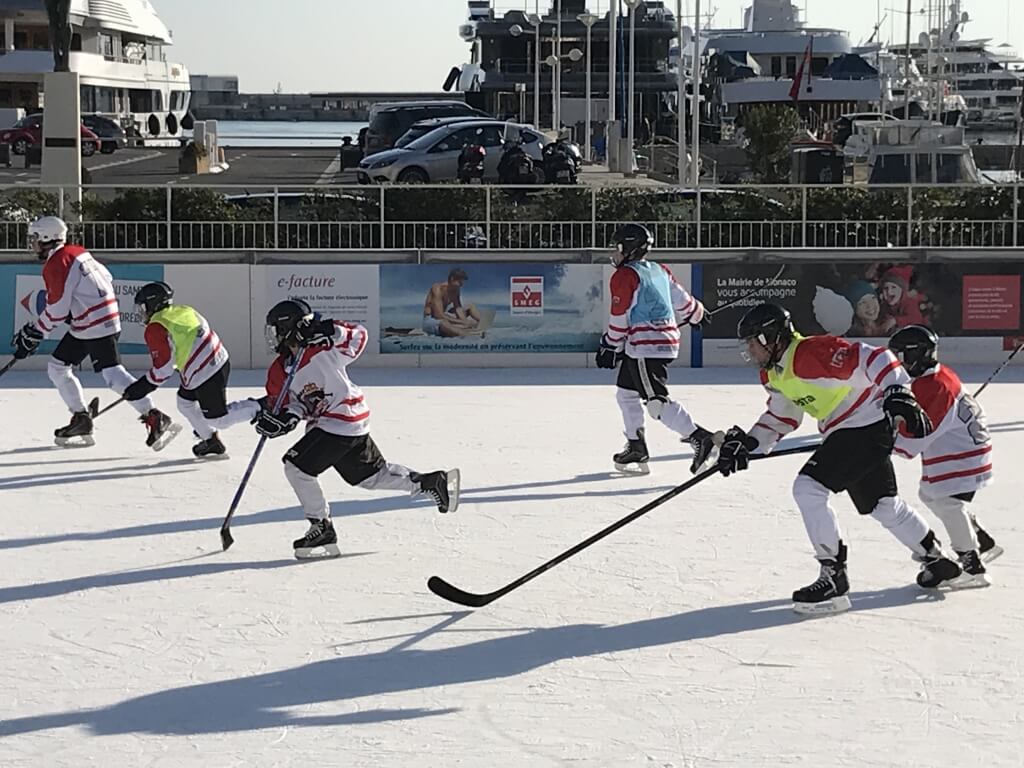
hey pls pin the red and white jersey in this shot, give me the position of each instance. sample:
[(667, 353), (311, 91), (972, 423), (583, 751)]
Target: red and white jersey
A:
[(321, 391), (957, 456), (838, 382), (206, 355), (79, 291), (647, 306)]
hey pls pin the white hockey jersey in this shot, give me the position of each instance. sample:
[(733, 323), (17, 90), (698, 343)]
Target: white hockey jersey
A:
[(321, 391), (957, 456), (80, 292)]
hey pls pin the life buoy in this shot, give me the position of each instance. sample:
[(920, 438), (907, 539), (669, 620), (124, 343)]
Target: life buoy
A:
[(172, 124), (153, 124)]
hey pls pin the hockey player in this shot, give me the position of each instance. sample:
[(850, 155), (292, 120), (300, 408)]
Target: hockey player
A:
[(80, 291), (180, 339), (647, 305), (956, 458), (338, 429), (857, 393)]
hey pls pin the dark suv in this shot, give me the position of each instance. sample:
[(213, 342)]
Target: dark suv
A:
[(389, 121), (112, 137)]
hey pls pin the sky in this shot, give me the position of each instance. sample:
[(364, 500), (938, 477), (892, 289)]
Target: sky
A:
[(394, 45)]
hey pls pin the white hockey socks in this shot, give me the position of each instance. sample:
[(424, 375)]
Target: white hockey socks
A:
[(68, 386), (672, 415), (307, 488), (393, 477), (194, 416), (957, 521), (819, 517), (239, 412), (902, 521), (632, 408), (118, 379)]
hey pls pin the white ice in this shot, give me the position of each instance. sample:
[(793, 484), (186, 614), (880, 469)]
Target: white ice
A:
[(129, 639)]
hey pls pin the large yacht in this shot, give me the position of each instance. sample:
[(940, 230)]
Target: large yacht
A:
[(117, 49)]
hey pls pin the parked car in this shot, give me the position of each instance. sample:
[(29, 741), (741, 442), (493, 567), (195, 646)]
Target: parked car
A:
[(434, 157), (423, 127), (112, 135), (29, 130), (389, 121)]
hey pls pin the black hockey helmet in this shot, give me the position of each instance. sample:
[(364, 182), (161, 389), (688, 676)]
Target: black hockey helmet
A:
[(917, 348), (631, 242), (769, 325), (283, 322), (153, 297)]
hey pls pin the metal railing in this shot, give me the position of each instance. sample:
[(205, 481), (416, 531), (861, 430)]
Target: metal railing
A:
[(451, 217)]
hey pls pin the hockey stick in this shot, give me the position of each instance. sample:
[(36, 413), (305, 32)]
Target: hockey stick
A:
[(748, 294), (453, 594), (8, 366), (999, 370), (226, 539), (95, 410)]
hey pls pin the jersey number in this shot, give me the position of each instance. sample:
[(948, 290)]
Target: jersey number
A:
[(969, 412)]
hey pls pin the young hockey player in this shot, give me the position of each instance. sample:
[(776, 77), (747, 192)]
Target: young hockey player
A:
[(180, 339), (647, 305), (857, 393), (80, 291), (956, 458), (338, 429)]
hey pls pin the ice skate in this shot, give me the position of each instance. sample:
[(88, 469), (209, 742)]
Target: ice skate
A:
[(973, 574), (210, 449), (632, 460), (937, 570), (77, 434), (319, 543), (704, 445), (161, 429), (442, 487), (987, 547), (830, 593)]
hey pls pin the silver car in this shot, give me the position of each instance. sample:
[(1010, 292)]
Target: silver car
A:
[(434, 157)]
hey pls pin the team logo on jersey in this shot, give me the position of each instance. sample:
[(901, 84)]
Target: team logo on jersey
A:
[(527, 296), (839, 357), (314, 400)]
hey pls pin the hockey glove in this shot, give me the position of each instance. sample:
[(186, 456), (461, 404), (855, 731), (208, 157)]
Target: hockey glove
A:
[(902, 408), (607, 356), (26, 341), (698, 317), (734, 455), (138, 389), (276, 424), (316, 332)]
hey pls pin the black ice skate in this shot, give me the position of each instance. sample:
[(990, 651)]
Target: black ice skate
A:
[(77, 434), (987, 547), (320, 541), (974, 574), (830, 593), (211, 448), (442, 487), (704, 445), (635, 453), (161, 429), (937, 570)]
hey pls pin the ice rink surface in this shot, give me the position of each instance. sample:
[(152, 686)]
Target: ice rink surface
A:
[(130, 639)]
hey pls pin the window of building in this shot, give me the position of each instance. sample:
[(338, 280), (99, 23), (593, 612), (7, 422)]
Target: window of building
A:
[(791, 66), (776, 66)]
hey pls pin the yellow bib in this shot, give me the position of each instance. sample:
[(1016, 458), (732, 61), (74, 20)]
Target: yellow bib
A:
[(819, 402), (183, 325)]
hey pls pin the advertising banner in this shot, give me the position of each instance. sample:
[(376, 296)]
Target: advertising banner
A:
[(873, 300), (488, 307), (23, 297)]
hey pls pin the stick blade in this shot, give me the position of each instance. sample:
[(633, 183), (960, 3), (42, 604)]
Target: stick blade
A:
[(453, 594), (94, 407), (226, 539)]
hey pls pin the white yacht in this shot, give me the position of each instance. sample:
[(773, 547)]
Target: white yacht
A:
[(910, 152), (117, 49)]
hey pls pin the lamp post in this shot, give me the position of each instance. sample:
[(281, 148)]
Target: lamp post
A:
[(516, 30), (631, 112), (695, 165), (683, 35), (557, 101), (555, 62), (612, 135), (588, 20)]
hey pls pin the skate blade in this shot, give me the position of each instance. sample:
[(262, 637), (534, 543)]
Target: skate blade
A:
[(824, 608), (965, 581), (78, 441), (213, 457), (992, 554), (454, 489), (322, 552), (639, 468), (169, 434)]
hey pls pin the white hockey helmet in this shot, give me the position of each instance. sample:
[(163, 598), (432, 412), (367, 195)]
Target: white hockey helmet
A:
[(47, 233)]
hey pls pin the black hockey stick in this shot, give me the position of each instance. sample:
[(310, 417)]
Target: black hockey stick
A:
[(95, 410), (748, 294), (8, 366), (453, 594), (226, 539), (999, 370)]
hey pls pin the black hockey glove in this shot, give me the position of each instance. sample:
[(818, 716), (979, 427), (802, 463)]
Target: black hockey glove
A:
[(607, 356), (734, 455), (26, 341), (316, 332), (901, 406), (138, 389), (274, 425)]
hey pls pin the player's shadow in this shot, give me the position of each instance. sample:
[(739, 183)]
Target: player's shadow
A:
[(45, 589), (62, 478), (1007, 426), (279, 698)]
